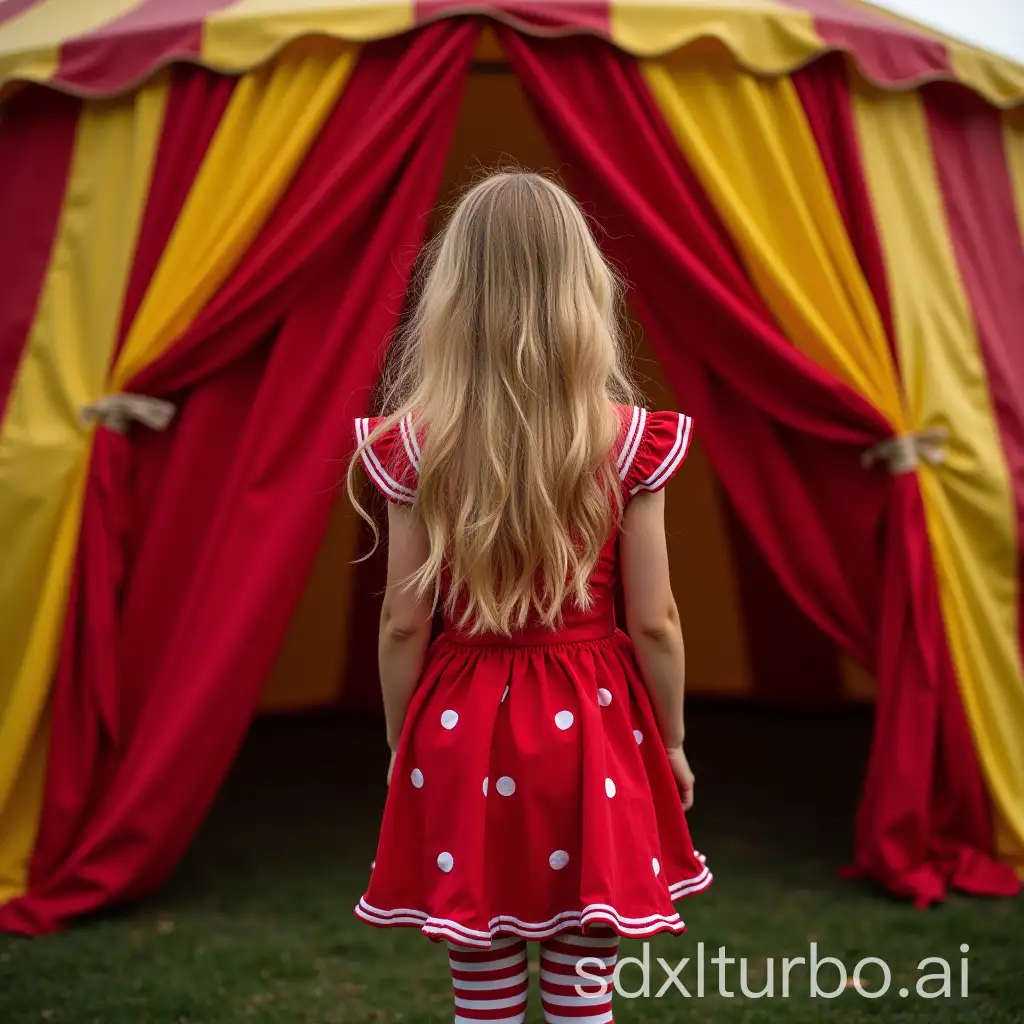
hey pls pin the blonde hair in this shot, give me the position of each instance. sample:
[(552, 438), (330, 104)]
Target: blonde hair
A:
[(511, 364)]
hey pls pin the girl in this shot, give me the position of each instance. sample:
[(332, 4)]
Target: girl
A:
[(537, 780)]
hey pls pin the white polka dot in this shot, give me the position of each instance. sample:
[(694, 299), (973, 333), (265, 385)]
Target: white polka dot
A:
[(564, 720), (417, 778), (609, 787), (558, 860), (485, 786), (373, 864), (638, 736), (604, 697), (445, 861), (504, 695), (450, 719), (506, 785), (656, 866)]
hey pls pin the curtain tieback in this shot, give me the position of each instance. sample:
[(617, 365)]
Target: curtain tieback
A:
[(115, 412), (905, 452)]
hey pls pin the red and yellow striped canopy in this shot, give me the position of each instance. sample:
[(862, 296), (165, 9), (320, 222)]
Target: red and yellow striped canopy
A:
[(102, 47)]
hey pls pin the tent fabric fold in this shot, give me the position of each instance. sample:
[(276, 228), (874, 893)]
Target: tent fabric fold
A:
[(273, 118), (44, 445), (967, 149), (773, 192), (948, 387), (943, 813), (752, 149), (88, 665)]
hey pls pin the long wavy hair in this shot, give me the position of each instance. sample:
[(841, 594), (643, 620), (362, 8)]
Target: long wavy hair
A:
[(511, 363)]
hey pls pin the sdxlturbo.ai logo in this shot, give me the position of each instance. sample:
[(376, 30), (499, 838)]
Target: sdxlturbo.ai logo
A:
[(826, 976)]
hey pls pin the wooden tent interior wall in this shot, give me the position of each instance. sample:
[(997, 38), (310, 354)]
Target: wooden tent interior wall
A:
[(330, 652)]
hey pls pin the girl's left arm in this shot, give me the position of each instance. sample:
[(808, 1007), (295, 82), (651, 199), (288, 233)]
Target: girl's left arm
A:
[(405, 620)]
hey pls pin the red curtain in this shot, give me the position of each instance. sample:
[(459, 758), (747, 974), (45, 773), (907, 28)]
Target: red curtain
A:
[(785, 439), (967, 141), (37, 141), (924, 819), (202, 540)]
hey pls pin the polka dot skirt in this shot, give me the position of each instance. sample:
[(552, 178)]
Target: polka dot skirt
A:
[(530, 796)]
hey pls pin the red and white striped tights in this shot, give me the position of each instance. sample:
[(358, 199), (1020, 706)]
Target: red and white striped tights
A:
[(490, 984)]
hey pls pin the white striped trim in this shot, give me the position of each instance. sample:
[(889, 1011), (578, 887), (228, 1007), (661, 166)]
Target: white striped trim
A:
[(391, 487), (594, 913), (430, 925), (412, 446), (594, 910), (690, 885), (672, 461), (631, 445)]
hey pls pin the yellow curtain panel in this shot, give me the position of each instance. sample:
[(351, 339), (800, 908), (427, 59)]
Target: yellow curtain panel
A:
[(273, 118), (750, 145), (43, 444), (968, 500)]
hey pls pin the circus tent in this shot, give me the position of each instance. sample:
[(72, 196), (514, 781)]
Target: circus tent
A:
[(210, 210)]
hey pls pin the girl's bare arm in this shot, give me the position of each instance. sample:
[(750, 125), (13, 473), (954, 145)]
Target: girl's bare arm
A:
[(405, 621), (652, 618)]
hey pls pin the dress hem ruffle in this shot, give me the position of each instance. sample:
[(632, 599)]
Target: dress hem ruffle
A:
[(592, 914)]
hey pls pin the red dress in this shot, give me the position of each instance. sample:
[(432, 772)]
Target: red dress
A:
[(531, 793)]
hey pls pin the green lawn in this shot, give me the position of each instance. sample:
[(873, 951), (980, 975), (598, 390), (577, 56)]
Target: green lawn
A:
[(257, 926)]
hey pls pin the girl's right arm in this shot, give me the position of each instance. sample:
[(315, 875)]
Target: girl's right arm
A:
[(652, 620), (405, 620)]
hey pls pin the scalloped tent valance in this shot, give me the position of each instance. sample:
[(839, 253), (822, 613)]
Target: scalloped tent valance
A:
[(104, 47)]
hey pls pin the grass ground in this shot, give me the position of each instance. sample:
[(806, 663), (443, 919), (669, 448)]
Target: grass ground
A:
[(256, 925)]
